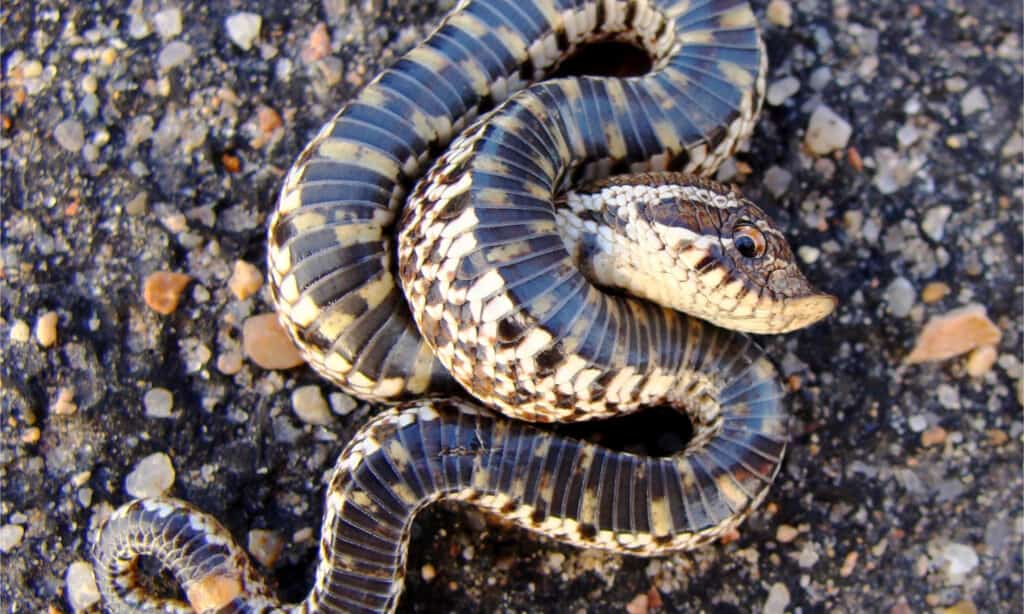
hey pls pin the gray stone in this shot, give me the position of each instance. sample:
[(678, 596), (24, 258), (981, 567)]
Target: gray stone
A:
[(899, 295), (158, 403), (70, 135), (173, 54)]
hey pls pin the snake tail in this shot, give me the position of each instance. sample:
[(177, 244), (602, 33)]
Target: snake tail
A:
[(407, 457)]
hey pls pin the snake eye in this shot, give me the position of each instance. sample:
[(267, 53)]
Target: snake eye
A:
[(748, 241)]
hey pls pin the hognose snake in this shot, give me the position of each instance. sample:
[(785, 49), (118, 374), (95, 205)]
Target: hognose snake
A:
[(498, 262)]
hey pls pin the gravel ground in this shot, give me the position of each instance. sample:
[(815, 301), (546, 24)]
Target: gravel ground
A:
[(152, 136)]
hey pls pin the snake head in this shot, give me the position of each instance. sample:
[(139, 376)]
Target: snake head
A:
[(728, 263)]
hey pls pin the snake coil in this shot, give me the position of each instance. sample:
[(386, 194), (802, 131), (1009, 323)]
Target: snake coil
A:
[(508, 248)]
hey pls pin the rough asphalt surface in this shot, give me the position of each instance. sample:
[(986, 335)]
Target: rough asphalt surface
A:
[(132, 144)]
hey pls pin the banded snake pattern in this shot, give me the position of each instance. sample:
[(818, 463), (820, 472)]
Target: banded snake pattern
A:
[(517, 258)]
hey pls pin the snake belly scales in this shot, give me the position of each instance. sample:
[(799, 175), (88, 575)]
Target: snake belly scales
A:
[(498, 262)]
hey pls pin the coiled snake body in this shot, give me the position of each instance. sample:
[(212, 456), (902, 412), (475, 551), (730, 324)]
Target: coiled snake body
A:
[(498, 263)]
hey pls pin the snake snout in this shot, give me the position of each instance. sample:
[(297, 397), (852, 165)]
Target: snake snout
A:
[(801, 303)]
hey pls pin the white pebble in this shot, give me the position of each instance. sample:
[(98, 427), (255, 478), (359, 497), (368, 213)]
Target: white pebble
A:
[(808, 253), (10, 537), (973, 101), (158, 403), (341, 403), (309, 405), (167, 23), (917, 423), (827, 131), (778, 599), (960, 560), (243, 28), (152, 476), (81, 586), (20, 332)]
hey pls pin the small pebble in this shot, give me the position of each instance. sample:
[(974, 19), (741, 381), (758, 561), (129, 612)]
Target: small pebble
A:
[(980, 360), (229, 362), (341, 403), (138, 27), (899, 295), (778, 599), (934, 222), (820, 77), (318, 46), (245, 281), (20, 332), (955, 85), (309, 405), (997, 437), (46, 329), (780, 13), (428, 573), (162, 290), (960, 560), (782, 90), (173, 54), (638, 605), (151, 477), (167, 23), (786, 533), (158, 403), (917, 423), (777, 180), (954, 333), (64, 404), (808, 253), (269, 120), (81, 588), (31, 435), (907, 135), (973, 101), (934, 292), (70, 134), (10, 537), (934, 436), (266, 343), (243, 28), (265, 546), (849, 564), (137, 205), (826, 131)]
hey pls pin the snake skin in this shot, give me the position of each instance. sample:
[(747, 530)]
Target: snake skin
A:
[(501, 284)]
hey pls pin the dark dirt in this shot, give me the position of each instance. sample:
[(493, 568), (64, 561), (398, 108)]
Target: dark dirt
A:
[(165, 175)]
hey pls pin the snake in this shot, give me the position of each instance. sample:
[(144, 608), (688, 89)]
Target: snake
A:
[(489, 249)]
